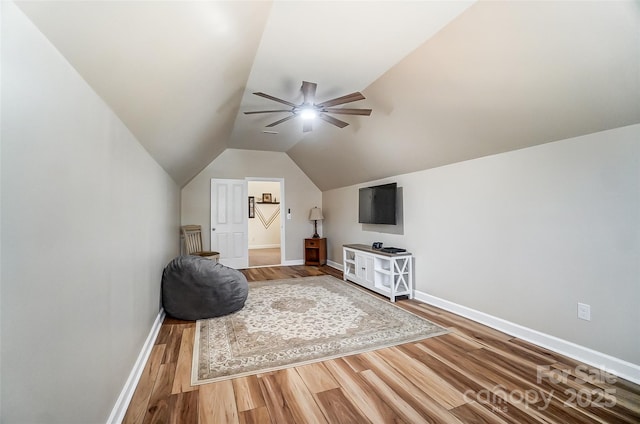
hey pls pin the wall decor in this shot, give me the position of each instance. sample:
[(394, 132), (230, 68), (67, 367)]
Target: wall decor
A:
[(252, 207), (266, 198), (268, 220)]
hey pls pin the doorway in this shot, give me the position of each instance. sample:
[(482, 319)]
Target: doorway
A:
[(265, 225)]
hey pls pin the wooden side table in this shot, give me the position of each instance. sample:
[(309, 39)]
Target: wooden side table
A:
[(315, 251)]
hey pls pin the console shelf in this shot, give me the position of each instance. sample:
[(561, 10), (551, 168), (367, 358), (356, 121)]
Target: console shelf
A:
[(389, 274)]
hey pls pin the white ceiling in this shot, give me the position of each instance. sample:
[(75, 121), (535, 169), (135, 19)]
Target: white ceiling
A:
[(447, 80), (341, 46)]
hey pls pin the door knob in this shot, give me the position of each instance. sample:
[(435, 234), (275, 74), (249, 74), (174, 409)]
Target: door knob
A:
[(213, 229)]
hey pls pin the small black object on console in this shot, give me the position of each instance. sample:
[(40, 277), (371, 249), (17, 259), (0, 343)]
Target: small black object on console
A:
[(392, 250)]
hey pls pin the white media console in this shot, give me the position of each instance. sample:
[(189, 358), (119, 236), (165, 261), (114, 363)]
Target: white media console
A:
[(390, 274)]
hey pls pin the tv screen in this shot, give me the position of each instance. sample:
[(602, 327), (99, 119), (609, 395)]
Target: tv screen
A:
[(377, 204)]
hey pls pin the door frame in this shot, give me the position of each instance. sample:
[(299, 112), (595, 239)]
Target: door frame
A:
[(282, 214)]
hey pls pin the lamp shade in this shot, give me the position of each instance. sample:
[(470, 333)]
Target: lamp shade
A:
[(315, 214)]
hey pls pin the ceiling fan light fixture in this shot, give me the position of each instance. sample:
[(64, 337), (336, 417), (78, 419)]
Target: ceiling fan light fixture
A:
[(308, 110), (308, 113)]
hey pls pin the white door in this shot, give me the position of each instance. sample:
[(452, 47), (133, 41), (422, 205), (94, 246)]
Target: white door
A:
[(229, 222)]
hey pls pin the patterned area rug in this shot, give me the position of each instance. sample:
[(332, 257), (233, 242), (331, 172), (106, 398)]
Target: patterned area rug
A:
[(299, 321)]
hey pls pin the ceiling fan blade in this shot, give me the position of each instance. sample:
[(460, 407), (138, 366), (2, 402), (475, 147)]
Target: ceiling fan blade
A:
[(307, 126), (333, 121), (273, 124), (275, 99), (267, 111), (353, 97), (347, 111), (309, 92)]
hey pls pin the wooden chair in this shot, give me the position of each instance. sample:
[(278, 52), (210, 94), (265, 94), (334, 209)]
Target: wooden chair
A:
[(192, 235)]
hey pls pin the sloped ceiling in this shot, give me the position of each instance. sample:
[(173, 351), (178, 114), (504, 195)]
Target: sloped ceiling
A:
[(447, 80)]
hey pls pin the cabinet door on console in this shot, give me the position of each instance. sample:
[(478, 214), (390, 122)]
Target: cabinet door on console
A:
[(364, 268)]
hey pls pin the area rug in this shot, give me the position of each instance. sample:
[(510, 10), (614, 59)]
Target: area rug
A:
[(298, 321)]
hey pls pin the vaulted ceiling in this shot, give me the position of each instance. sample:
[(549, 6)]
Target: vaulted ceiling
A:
[(447, 80)]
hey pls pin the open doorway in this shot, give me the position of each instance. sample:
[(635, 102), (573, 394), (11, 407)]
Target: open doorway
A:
[(265, 224)]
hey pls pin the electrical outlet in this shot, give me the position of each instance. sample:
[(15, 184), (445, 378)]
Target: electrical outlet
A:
[(584, 311)]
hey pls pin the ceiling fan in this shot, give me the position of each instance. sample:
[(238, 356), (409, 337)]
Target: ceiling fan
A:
[(308, 109)]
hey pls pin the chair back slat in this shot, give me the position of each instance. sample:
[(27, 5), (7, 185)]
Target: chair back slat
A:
[(192, 238)]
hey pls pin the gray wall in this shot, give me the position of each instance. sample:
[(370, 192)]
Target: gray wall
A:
[(525, 236), (300, 194), (89, 220)]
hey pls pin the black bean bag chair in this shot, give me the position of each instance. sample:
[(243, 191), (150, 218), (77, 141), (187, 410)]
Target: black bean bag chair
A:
[(195, 288)]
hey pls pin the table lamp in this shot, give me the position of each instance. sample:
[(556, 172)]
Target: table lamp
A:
[(315, 215)]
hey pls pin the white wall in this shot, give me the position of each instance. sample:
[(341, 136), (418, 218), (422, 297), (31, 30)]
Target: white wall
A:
[(89, 221), (265, 232), (525, 236), (300, 193)]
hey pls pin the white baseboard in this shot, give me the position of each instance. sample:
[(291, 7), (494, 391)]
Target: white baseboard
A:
[(334, 265), (120, 408), (263, 246), (619, 367), (293, 262)]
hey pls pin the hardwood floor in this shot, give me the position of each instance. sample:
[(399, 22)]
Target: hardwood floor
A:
[(472, 375), (264, 257)]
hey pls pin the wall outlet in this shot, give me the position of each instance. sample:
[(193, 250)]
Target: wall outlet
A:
[(584, 311)]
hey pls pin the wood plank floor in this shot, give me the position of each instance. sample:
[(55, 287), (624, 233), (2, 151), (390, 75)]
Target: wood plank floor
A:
[(472, 375), (264, 257)]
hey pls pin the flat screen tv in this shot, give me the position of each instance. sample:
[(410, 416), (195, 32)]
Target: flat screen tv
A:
[(377, 204)]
